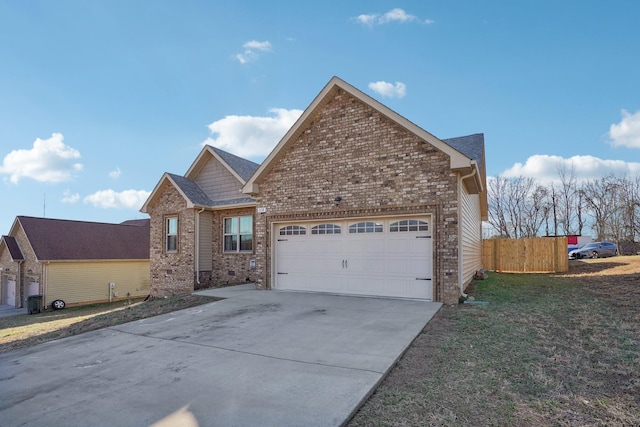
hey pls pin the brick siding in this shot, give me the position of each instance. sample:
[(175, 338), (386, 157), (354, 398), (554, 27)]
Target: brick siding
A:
[(171, 273), (174, 273), (377, 167)]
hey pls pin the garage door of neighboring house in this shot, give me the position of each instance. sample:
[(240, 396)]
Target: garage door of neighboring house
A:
[(33, 288), (8, 291), (389, 257)]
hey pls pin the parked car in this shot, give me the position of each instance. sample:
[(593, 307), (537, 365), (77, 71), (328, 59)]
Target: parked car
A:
[(595, 250)]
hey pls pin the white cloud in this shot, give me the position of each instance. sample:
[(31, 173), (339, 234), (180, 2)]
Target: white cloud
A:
[(627, 132), (50, 160), (251, 136), (394, 15), (115, 173), (264, 46), (367, 19), (69, 197), (544, 168), (252, 49), (397, 15), (389, 90), (109, 199)]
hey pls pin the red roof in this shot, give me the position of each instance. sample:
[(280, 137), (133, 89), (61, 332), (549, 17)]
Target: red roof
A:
[(57, 239)]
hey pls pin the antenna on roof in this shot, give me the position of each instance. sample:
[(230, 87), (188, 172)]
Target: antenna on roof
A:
[(44, 206)]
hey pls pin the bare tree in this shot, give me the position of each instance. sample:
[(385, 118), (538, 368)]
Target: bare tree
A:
[(516, 206), (567, 200), (601, 199)]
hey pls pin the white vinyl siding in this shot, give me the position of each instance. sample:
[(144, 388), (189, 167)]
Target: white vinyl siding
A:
[(82, 282), (217, 182), (470, 236), (205, 252)]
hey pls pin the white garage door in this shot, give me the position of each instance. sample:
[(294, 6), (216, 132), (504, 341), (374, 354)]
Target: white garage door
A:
[(389, 257)]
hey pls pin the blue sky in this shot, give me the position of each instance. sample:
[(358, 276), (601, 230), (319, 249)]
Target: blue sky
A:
[(99, 98)]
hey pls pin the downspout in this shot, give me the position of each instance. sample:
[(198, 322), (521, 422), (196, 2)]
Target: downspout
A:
[(45, 285), (20, 285), (197, 242)]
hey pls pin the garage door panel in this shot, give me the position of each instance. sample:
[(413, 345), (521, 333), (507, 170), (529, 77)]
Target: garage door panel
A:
[(380, 264)]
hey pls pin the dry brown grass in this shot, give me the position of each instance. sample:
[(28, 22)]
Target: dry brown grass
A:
[(27, 330), (549, 350)]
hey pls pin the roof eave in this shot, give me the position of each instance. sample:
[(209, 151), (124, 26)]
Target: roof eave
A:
[(152, 196), (227, 207)]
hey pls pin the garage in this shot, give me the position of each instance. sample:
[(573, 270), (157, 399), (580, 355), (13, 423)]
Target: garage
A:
[(386, 257)]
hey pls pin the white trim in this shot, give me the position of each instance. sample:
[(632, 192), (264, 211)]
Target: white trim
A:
[(457, 159)]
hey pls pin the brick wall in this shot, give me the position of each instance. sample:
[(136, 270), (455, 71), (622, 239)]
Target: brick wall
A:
[(230, 268), (26, 272), (377, 167), (171, 273), (174, 273)]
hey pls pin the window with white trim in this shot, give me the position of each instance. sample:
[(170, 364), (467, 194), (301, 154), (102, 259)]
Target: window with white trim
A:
[(293, 230), (365, 227), (408, 225), (326, 229), (171, 233), (238, 234)]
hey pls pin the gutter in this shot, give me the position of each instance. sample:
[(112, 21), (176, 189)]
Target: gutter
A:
[(474, 171)]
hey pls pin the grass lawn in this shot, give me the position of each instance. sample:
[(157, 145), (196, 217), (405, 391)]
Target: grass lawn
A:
[(27, 330), (547, 350)]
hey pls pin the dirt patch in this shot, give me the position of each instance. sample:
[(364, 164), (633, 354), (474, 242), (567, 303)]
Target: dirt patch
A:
[(616, 279)]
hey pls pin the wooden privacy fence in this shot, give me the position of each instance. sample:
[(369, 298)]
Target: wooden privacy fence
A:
[(530, 255)]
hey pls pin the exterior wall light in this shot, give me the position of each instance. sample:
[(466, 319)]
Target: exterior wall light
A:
[(337, 200)]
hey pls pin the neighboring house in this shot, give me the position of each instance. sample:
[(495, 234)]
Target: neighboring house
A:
[(74, 261), (355, 199)]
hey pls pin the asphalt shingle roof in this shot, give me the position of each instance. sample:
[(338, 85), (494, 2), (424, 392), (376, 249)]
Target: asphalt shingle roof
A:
[(243, 167), (471, 146), (191, 190), (57, 239), (14, 249)]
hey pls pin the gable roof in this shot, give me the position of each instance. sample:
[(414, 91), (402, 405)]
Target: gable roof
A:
[(241, 168), (458, 160), (12, 245), (194, 196), (66, 240)]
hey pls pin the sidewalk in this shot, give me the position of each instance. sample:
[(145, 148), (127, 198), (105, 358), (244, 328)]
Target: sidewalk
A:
[(9, 310)]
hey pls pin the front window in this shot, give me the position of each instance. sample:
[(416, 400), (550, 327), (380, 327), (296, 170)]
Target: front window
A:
[(172, 234), (238, 234)]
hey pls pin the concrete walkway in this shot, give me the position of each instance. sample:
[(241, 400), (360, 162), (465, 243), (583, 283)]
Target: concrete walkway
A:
[(262, 358), (9, 310)]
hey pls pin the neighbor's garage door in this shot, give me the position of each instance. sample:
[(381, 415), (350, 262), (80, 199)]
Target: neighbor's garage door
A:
[(389, 257)]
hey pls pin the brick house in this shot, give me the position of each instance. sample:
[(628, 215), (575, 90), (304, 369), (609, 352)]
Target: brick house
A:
[(355, 199)]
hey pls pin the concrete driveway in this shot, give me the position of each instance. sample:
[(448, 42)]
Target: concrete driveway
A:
[(257, 358)]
